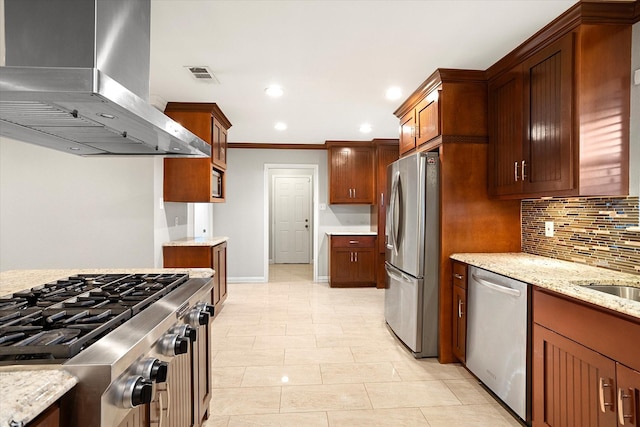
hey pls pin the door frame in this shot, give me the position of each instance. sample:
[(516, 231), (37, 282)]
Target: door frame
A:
[(267, 214)]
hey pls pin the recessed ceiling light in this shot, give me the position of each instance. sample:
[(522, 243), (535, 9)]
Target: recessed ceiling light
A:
[(393, 93), (365, 128), (274, 91), (280, 126)]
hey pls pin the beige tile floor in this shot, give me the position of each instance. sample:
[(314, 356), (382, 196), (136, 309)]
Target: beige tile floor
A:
[(297, 353)]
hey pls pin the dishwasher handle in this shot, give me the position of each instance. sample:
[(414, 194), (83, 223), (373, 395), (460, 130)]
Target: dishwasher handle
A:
[(498, 288)]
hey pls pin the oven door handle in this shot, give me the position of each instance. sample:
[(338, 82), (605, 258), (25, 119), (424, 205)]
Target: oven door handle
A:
[(498, 288)]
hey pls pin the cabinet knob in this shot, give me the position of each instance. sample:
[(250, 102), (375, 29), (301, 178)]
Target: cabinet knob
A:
[(458, 276)]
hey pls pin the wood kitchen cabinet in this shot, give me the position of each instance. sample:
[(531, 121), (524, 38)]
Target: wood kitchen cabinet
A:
[(49, 418), (219, 263), (202, 256), (198, 179), (559, 110), (386, 153), (470, 221), (459, 281), (585, 372), (351, 172), (420, 124), (352, 261)]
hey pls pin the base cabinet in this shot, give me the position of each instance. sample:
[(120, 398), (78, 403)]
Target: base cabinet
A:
[(459, 281), (586, 370), (352, 261), (214, 257), (49, 418)]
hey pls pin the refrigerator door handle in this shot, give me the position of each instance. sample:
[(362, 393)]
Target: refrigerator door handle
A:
[(395, 274), (392, 213)]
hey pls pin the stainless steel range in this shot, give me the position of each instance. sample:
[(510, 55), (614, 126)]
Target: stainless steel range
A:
[(138, 343)]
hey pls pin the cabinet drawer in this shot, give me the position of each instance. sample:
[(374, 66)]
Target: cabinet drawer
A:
[(355, 241), (187, 256), (459, 275)]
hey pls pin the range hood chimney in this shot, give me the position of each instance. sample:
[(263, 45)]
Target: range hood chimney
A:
[(75, 77)]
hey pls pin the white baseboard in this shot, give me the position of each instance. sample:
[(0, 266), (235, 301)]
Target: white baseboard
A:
[(256, 279)]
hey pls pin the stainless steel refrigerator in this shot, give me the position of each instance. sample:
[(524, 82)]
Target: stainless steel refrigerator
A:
[(412, 253)]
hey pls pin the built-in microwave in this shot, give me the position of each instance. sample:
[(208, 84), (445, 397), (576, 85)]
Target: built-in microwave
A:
[(216, 183)]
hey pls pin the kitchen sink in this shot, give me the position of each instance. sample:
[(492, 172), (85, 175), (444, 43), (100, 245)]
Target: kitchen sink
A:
[(623, 291)]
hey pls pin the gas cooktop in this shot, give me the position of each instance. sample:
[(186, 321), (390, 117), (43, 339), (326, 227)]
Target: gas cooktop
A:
[(55, 321)]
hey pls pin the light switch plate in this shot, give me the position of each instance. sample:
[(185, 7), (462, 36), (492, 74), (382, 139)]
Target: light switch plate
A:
[(636, 77)]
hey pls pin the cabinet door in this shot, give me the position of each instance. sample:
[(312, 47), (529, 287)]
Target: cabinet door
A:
[(459, 322), (428, 121), (365, 265), (407, 132), (386, 156), (363, 175), (202, 374), (341, 175), (341, 265), (222, 269), (219, 145), (548, 78), (572, 384), (506, 133), (628, 396)]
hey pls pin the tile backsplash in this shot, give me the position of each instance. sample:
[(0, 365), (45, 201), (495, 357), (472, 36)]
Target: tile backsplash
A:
[(592, 231)]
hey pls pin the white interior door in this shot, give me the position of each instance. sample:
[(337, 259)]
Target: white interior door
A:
[(292, 219)]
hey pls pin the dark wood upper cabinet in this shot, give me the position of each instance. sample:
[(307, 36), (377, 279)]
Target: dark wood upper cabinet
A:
[(195, 179), (559, 109), (351, 172)]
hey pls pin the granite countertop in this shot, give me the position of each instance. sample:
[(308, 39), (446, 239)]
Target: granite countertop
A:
[(197, 241), (351, 233), (563, 277), (18, 280), (27, 391)]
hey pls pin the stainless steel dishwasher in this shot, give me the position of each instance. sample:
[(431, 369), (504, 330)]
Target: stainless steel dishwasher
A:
[(497, 336)]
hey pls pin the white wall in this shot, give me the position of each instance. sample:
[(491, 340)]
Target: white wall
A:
[(59, 210), (242, 216)]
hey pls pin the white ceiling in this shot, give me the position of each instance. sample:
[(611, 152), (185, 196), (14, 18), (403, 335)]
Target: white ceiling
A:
[(334, 59)]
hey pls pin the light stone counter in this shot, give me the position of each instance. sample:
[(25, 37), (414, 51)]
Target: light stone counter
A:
[(18, 280), (559, 276), (351, 233), (197, 241), (28, 391)]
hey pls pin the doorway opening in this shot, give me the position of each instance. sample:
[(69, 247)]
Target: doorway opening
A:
[(291, 195)]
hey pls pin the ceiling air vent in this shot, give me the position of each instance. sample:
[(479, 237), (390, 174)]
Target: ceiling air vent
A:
[(202, 73)]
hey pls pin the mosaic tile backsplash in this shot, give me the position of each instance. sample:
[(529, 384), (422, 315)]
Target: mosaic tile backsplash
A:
[(592, 231)]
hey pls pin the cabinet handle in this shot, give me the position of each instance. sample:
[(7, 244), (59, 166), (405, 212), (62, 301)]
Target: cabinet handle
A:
[(622, 417), (458, 276), (515, 170), (524, 175), (350, 194), (356, 253), (354, 193), (460, 303), (354, 242), (604, 384), (381, 199)]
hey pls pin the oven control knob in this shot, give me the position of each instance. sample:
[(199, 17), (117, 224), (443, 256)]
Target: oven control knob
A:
[(197, 318), (173, 344), (153, 370), (137, 391), (185, 331), (182, 345), (206, 307)]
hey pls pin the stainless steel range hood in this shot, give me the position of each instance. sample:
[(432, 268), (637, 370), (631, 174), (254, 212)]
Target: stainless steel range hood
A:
[(75, 77)]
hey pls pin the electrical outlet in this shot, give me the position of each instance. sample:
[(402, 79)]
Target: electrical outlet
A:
[(176, 221), (548, 228)]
